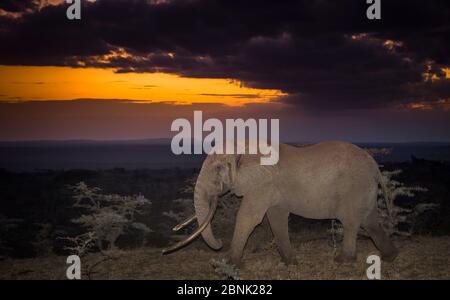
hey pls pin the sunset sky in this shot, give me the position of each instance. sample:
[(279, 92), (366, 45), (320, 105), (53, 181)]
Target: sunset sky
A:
[(128, 68)]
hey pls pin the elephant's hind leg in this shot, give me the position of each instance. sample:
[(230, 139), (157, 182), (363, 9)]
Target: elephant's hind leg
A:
[(278, 220), (348, 251), (379, 237)]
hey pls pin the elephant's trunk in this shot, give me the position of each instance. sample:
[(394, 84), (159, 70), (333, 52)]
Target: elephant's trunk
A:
[(204, 212), (205, 204)]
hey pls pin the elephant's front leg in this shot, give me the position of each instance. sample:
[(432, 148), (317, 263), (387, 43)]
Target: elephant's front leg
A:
[(249, 215), (279, 219)]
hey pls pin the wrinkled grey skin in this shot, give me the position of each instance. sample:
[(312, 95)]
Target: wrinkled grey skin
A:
[(329, 180)]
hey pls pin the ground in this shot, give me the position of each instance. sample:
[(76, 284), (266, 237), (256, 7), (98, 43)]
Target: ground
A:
[(420, 258)]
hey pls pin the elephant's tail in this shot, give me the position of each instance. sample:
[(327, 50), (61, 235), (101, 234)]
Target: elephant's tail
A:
[(385, 192)]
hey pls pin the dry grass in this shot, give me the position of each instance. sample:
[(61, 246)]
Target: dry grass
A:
[(420, 258)]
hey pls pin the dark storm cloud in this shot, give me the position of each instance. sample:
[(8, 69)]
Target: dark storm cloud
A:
[(17, 6), (324, 54)]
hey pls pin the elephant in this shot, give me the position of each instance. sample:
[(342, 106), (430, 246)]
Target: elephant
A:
[(328, 180)]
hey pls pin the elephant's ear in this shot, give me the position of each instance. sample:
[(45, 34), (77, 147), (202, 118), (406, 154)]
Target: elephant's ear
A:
[(238, 160), (233, 166)]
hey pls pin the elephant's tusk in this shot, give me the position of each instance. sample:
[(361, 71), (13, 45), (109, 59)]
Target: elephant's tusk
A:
[(184, 223), (195, 233)]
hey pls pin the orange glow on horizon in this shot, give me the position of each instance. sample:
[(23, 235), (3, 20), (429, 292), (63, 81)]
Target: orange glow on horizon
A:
[(447, 72), (21, 83), (442, 105)]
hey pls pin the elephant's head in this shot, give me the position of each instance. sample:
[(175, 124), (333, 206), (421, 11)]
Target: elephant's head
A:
[(217, 177)]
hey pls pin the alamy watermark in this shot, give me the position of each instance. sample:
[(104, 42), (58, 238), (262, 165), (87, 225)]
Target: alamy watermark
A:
[(374, 10), (73, 271), (73, 12), (190, 140), (374, 270)]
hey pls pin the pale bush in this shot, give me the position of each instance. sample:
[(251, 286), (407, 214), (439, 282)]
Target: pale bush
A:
[(224, 269), (106, 217), (392, 215), (81, 244), (184, 208)]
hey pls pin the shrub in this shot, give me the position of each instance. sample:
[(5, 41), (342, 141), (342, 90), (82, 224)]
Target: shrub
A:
[(106, 217), (393, 216)]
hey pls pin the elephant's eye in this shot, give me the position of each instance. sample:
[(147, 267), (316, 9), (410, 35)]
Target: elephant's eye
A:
[(219, 168)]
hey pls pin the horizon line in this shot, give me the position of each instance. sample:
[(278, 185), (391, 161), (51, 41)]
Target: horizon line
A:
[(162, 139)]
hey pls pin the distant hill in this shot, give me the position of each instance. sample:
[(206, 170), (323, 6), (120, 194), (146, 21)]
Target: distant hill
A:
[(154, 154), (48, 143)]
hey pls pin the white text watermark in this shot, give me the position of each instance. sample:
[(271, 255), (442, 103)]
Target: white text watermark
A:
[(190, 140)]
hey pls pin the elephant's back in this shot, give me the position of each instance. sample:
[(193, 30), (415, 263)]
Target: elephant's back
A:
[(335, 152), (320, 176), (328, 158)]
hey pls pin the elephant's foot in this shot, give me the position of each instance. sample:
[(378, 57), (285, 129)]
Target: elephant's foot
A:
[(289, 261), (344, 258), (236, 261), (389, 256)]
